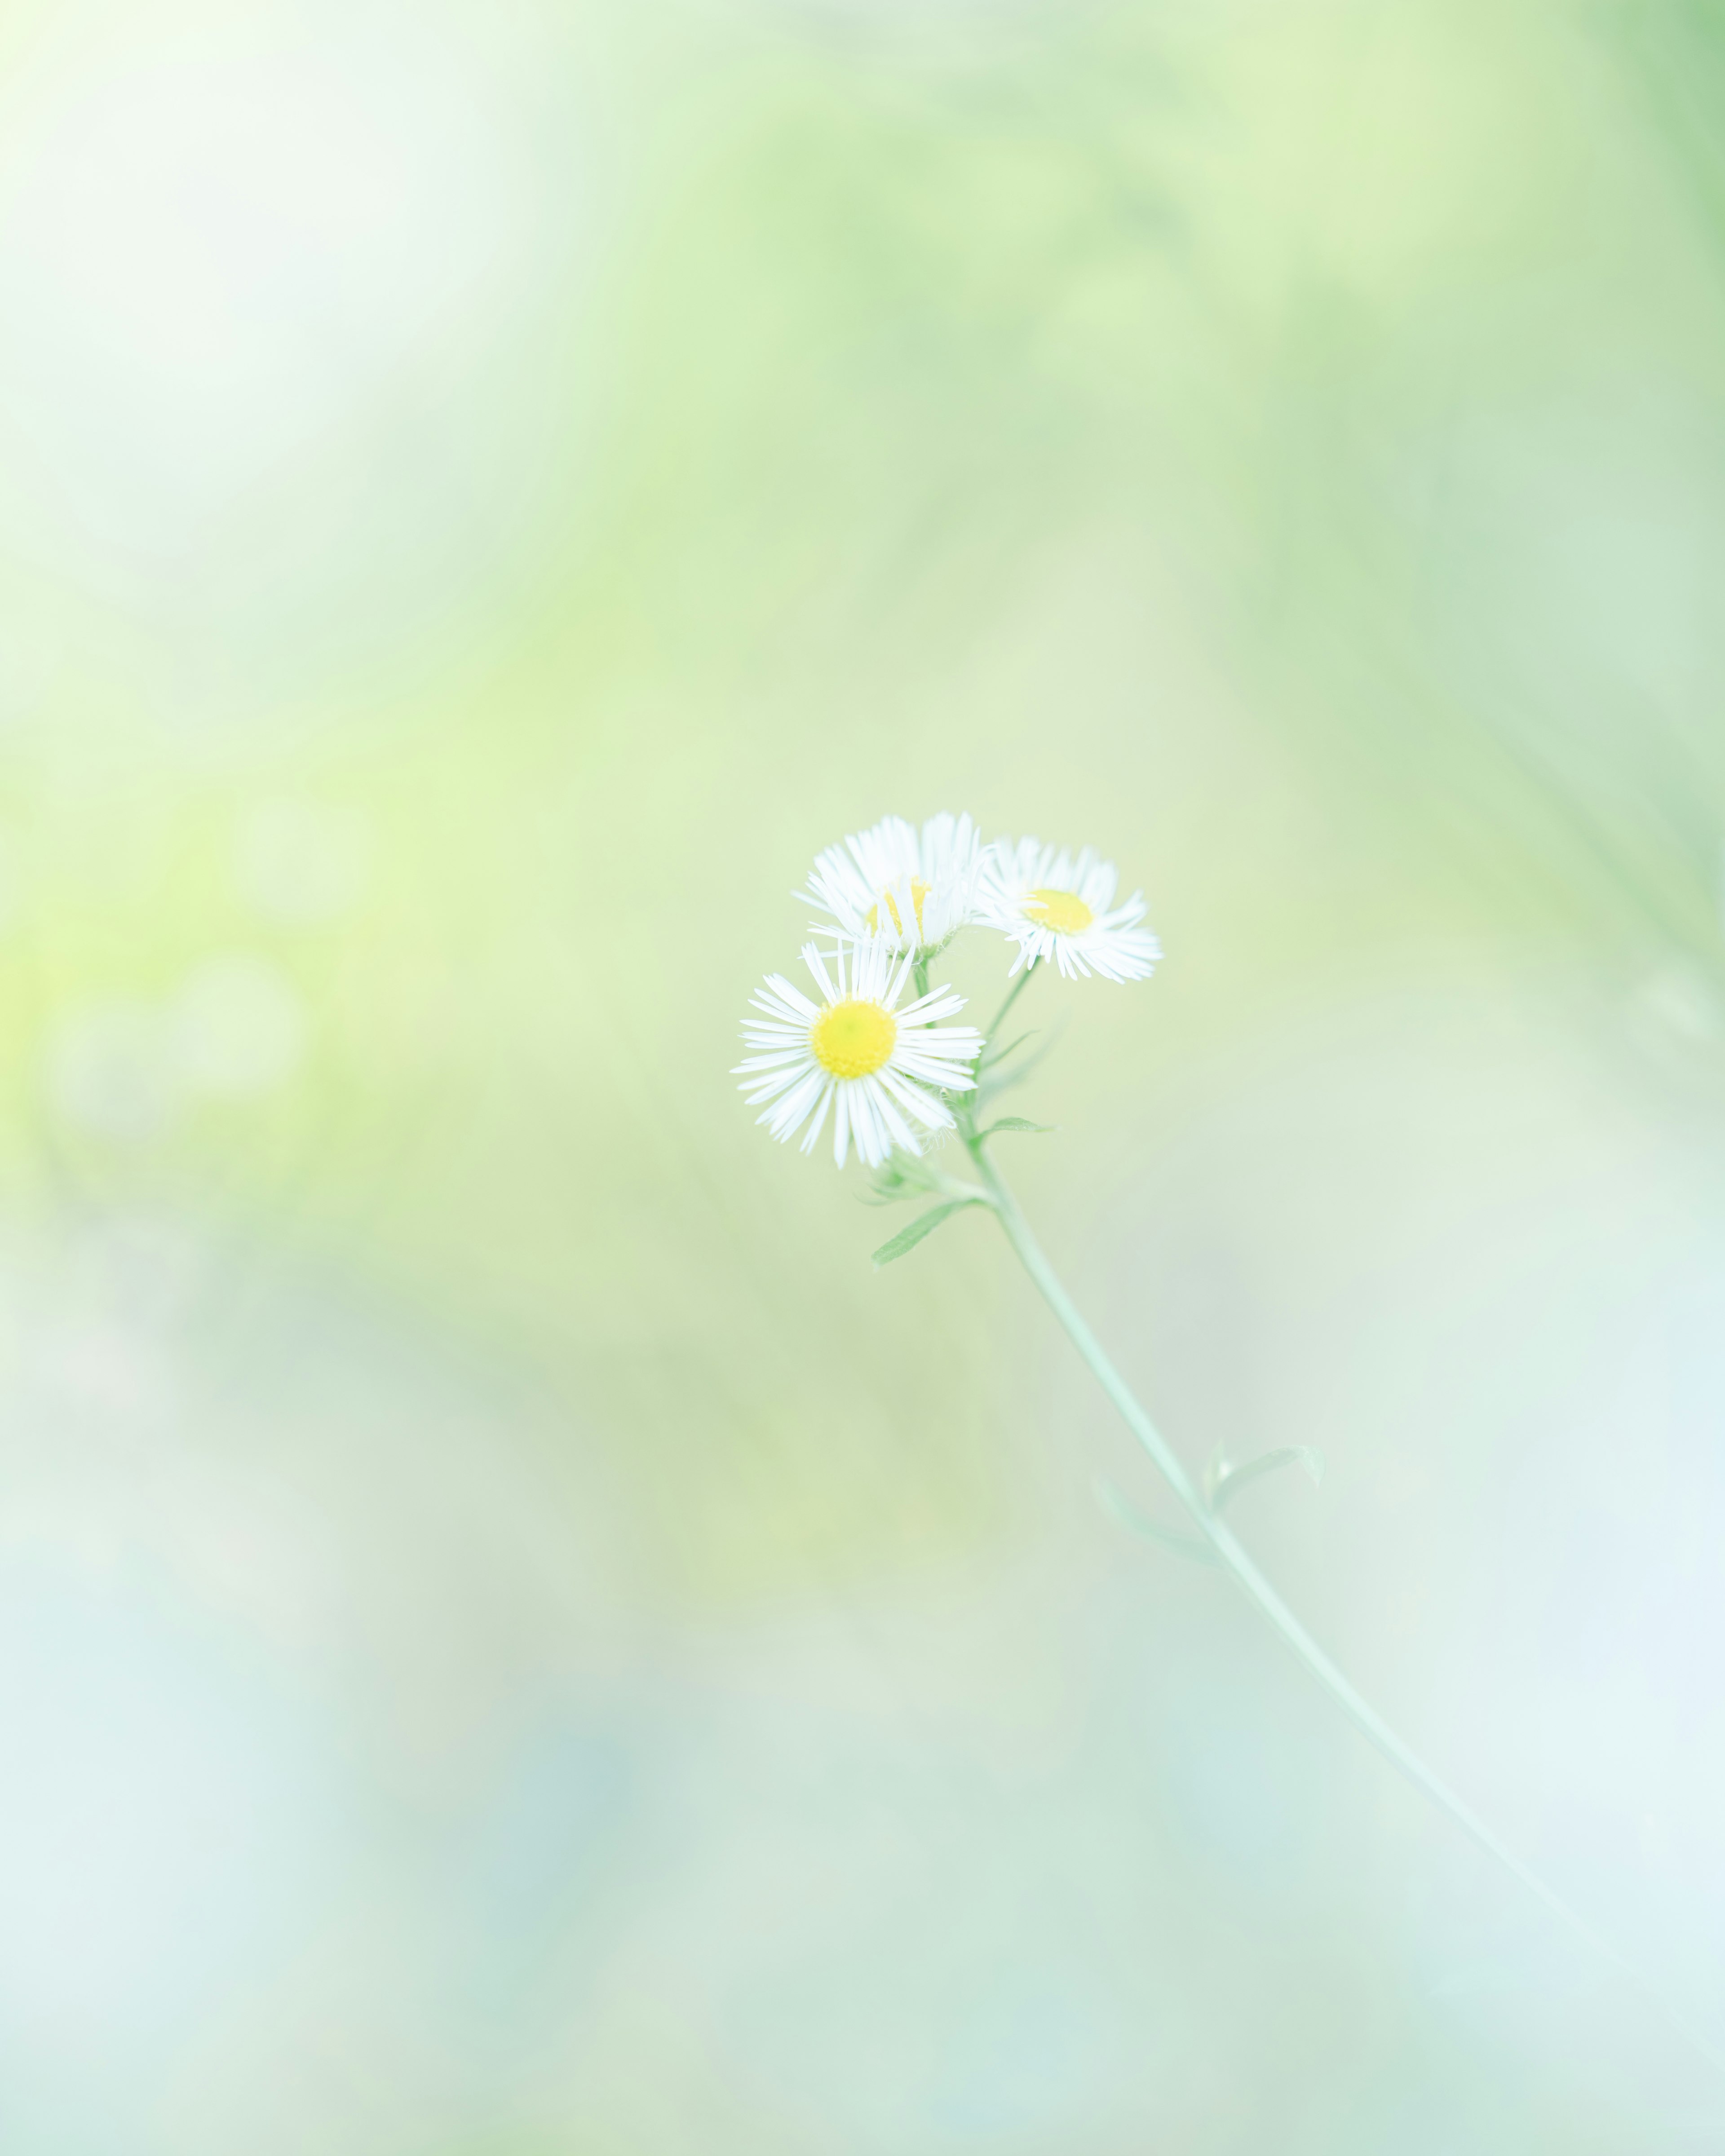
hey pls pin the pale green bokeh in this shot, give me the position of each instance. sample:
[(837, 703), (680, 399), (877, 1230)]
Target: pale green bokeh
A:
[(515, 1639)]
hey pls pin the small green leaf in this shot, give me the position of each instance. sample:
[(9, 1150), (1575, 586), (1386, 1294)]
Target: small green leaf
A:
[(993, 1080), (1187, 1546), (1016, 1123), (925, 1224), (991, 1055), (1222, 1482)]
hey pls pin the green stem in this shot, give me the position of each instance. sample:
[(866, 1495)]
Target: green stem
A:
[(1257, 1589)]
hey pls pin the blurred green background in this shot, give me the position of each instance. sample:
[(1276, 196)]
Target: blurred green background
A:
[(514, 1641)]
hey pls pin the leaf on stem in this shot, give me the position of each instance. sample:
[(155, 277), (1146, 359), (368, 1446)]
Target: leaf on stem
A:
[(1016, 1123), (925, 1224), (1169, 1538), (996, 1081), (1222, 1480), (991, 1054)]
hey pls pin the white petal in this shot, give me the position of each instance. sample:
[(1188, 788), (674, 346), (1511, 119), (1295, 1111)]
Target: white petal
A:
[(821, 1116), (841, 1125)]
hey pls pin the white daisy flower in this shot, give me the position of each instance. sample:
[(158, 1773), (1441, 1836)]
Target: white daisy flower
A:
[(911, 890), (856, 1053), (1060, 909)]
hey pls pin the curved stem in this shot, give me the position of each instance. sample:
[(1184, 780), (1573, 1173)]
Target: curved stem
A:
[(1258, 1590)]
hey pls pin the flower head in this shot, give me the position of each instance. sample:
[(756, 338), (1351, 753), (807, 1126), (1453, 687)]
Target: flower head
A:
[(856, 1053), (910, 890), (1058, 908)]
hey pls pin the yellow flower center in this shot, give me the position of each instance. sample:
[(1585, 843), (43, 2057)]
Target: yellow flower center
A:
[(919, 891), (852, 1038), (1062, 911)]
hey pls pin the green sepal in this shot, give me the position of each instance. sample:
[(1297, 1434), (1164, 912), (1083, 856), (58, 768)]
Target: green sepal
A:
[(900, 1176)]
